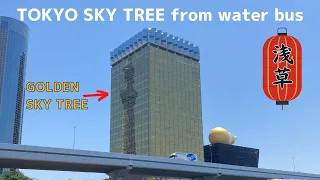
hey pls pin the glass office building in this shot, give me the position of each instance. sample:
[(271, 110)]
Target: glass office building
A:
[(156, 96), (13, 52)]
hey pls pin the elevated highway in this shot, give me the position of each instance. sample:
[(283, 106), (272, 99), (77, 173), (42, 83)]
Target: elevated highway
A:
[(119, 165)]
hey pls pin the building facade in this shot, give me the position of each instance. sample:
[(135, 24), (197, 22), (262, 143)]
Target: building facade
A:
[(13, 55), (156, 96), (231, 155)]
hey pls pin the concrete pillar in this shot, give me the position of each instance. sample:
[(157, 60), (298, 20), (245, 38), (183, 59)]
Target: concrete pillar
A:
[(208, 177), (120, 173)]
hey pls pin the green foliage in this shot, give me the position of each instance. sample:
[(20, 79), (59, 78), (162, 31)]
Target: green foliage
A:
[(13, 175), (153, 178)]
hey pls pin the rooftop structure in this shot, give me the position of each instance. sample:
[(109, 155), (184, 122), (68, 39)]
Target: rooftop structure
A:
[(156, 37)]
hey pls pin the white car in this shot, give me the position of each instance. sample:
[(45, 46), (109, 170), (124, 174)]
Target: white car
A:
[(184, 156)]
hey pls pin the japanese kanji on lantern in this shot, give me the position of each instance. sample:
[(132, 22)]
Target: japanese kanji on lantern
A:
[(282, 68)]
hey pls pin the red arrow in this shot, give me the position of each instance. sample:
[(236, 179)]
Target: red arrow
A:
[(100, 93)]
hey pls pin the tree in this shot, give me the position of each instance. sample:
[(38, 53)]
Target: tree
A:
[(154, 178), (13, 175)]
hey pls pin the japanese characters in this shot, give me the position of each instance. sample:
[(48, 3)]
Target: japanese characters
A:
[(283, 54)]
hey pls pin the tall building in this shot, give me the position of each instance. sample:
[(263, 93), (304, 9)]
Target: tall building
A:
[(13, 55), (232, 155), (156, 96)]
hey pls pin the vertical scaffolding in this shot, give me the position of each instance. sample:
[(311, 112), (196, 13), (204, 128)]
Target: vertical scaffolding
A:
[(128, 97)]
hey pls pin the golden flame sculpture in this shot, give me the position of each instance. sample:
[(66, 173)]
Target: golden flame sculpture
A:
[(221, 135)]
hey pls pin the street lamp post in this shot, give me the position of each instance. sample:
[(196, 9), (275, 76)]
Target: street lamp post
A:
[(74, 136), (294, 166)]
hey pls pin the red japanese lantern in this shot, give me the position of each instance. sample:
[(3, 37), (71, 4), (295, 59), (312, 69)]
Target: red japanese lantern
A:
[(282, 68)]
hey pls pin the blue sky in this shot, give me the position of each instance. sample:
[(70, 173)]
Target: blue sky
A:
[(231, 77)]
